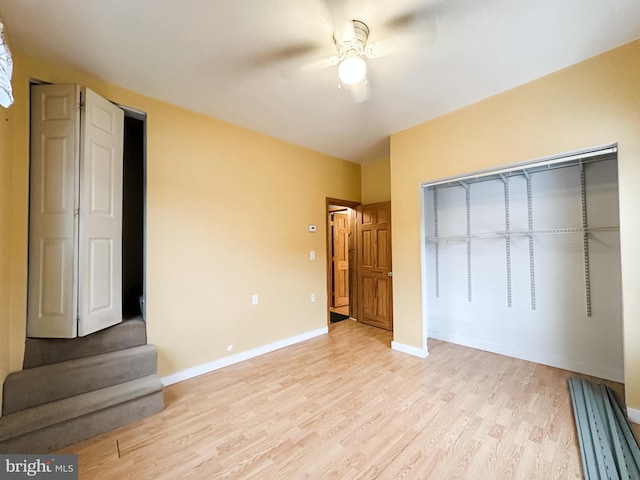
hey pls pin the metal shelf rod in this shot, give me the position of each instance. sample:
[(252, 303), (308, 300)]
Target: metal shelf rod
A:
[(468, 237), (507, 228), (437, 246), (532, 266), (585, 240), (522, 233)]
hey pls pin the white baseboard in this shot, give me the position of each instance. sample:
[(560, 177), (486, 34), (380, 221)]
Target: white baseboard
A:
[(416, 352), (240, 357), (633, 415), (531, 356)]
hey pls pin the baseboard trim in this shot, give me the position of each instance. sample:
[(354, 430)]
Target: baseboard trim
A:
[(416, 352), (531, 356), (240, 357), (633, 415)]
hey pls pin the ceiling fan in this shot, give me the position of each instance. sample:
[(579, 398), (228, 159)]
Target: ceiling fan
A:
[(351, 44), (399, 34), (354, 47)]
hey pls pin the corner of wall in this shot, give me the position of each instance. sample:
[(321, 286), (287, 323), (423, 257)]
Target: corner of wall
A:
[(375, 181), (6, 124)]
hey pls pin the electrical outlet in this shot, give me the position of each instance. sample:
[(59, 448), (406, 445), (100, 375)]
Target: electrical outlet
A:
[(312, 255), (229, 347), (254, 299), (313, 297)]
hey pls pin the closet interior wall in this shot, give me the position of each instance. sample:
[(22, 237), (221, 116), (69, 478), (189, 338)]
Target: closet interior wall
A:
[(526, 262)]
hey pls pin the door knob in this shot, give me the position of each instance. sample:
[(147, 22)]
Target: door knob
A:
[(390, 274)]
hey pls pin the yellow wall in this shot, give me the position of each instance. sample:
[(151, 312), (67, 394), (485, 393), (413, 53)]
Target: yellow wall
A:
[(6, 125), (228, 211), (376, 181), (591, 103)]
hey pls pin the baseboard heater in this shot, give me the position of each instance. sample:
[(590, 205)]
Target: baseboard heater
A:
[(607, 445)]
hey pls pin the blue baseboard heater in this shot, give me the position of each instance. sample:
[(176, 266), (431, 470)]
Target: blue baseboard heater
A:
[(609, 449)]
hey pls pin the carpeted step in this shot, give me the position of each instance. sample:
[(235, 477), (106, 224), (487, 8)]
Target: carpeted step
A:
[(45, 351), (52, 426), (49, 383)]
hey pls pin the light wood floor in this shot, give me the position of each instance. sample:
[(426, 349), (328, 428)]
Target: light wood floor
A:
[(346, 406)]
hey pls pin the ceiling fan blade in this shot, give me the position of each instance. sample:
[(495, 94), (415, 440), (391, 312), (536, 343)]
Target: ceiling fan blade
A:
[(406, 20), (399, 44), (360, 92), (277, 56), (404, 34), (383, 48), (422, 16), (293, 70), (320, 64), (407, 31)]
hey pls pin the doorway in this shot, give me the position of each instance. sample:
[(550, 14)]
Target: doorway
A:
[(342, 285), (133, 215), (359, 273)]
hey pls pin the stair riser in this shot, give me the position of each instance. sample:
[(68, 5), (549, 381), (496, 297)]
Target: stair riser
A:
[(60, 435), (130, 333), (37, 386)]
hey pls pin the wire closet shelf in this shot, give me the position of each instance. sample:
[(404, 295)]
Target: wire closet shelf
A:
[(526, 170)]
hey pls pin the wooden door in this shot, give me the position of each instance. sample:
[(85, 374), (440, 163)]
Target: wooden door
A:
[(340, 234), (374, 265), (100, 219), (52, 285), (75, 222)]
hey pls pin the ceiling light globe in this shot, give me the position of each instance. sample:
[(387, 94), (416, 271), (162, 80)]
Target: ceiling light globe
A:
[(352, 70)]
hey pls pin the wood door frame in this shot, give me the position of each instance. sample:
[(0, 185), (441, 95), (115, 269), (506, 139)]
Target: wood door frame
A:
[(353, 287)]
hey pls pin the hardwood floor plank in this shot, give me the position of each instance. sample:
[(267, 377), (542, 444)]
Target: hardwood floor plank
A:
[(346, 406)]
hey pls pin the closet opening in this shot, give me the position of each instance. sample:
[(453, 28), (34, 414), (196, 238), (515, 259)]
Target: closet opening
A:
[(525, 261), (133, 215)]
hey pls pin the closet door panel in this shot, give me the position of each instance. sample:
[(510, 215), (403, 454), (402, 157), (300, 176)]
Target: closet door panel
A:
[(51, 300), (100, 245)]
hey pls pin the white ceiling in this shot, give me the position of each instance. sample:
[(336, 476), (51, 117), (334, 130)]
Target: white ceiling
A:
[(249, 61)]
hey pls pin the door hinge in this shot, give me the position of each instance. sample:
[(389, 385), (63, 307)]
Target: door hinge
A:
[(76, 212), (81, 104)]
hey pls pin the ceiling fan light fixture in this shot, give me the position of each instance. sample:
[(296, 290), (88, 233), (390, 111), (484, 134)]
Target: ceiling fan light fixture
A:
[(352, 70), (351, 44)]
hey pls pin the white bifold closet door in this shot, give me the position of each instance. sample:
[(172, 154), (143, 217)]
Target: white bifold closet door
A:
[(75, 224)]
